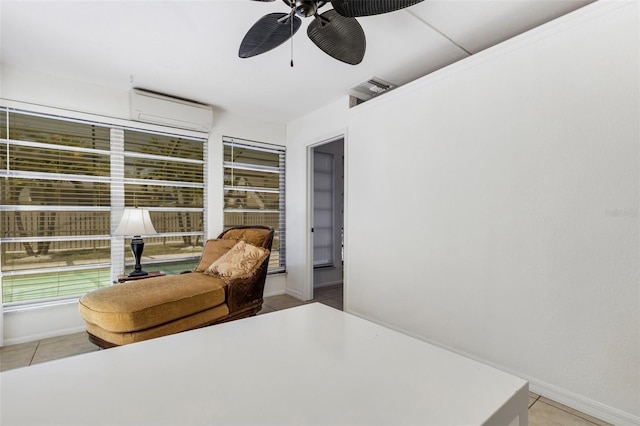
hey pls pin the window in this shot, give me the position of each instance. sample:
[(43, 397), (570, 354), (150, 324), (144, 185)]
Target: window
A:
[(165, 174), (64, 185), (254, 191)]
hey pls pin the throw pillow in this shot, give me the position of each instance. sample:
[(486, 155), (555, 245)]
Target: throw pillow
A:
[(255, 237), (213, 249), (242, 261)]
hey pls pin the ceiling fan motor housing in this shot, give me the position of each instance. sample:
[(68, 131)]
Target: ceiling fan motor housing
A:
[(306, 8)]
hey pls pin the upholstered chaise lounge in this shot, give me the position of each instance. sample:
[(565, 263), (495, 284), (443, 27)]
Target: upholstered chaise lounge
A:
[(227, 284)]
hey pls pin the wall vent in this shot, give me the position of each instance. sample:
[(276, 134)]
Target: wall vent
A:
[(369, 89)]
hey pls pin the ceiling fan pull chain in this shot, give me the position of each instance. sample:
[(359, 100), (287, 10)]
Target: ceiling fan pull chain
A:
[(292, 15)]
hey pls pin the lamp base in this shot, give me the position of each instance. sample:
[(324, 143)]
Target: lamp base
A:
[(137, 246), (137, 273)]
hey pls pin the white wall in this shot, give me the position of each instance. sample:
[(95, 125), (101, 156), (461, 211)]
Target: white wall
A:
[(492, 208), (46, 93), (322, 126)]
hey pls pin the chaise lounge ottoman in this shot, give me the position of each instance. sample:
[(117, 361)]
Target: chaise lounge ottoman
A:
[(227, 284)]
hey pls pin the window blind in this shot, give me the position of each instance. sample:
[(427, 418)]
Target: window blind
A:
[(64, 184), (254, 191), (165, 174)]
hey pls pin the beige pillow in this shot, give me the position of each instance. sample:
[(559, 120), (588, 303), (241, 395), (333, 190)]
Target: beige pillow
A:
[(251, 236), (242, 261), (213, 249)]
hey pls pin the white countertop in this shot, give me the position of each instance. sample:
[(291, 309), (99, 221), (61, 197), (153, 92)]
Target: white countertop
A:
[(301, 366)]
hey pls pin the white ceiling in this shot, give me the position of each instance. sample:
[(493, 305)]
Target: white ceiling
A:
[(189, 49)]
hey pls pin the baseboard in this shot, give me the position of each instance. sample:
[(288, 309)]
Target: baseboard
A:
[(295, 293), (41, 336), (578, 402), (273, 292), (563, 396)]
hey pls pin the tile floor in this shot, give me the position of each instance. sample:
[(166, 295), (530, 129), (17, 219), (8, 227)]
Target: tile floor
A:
[(542, 411)]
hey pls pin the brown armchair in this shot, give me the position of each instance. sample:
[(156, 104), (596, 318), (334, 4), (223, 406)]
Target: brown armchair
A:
[(154, 307)]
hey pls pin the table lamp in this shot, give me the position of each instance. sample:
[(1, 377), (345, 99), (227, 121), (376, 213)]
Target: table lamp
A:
[(136, 222)]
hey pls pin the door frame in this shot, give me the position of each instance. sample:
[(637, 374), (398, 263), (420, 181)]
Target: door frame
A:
[(309, 290)]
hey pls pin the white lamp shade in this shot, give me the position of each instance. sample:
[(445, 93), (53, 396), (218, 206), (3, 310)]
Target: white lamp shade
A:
[(135, 222)]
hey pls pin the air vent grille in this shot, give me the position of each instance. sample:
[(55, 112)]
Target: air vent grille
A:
[(369, 89)]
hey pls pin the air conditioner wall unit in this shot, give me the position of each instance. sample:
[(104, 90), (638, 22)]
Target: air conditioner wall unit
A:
[(156, 108)]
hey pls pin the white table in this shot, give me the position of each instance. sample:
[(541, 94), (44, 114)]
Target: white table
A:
[(301, 366)]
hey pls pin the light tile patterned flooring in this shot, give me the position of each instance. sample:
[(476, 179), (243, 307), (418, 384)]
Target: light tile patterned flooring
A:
[(542, 411)]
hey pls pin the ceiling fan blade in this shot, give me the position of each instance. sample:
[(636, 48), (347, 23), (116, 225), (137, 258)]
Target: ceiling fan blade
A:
[(269, 32), (354, 8), (340, 37)]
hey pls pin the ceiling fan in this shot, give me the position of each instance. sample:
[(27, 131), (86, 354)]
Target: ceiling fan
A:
[(336, 31)]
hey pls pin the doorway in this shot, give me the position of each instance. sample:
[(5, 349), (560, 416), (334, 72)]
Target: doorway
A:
[(328, 220)]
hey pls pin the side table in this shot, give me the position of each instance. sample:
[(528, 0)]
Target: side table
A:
[(152, 274)]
